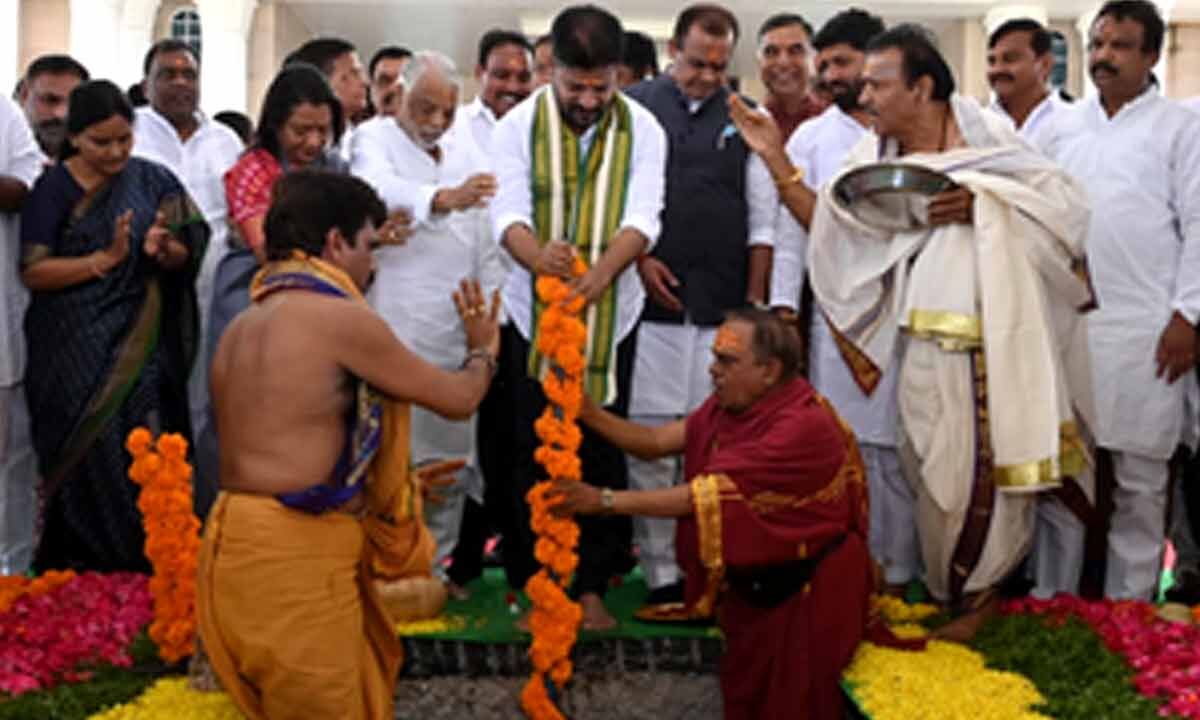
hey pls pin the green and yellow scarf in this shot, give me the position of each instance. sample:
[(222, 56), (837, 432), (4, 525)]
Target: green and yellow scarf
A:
[(580, 198)]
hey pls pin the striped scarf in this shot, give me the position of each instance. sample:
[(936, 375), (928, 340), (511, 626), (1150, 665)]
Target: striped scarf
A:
[(580, 198)]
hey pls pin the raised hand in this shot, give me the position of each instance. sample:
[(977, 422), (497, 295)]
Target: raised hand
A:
[(480, 322), (397, 229), (118, 249), (758, 129), (157, 237)]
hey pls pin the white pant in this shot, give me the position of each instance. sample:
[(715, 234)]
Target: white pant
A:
[(893, 533), (670, 379), (1057, 558), (18, 483), (444, 519), (1138, 529)]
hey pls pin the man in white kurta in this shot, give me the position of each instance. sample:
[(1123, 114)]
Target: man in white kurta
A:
[(505, 77), (583, 97), (415, 165), (171, 130), (20, 164), (714, 255), (819, 148), (1138, 155), (981, 299), (1019, 64)]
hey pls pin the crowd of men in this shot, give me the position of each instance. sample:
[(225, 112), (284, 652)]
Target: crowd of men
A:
[(1018, 370)]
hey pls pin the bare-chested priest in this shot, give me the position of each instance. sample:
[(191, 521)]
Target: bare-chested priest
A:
[(318, 511)]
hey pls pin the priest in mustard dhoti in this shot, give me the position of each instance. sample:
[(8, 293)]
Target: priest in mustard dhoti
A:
[(319, 515), (984, 297)]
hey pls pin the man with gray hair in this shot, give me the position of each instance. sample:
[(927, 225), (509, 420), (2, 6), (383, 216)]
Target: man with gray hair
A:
[(438, 177)]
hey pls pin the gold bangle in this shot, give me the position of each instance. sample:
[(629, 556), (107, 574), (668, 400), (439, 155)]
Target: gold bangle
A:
[(606, 500), (792, 179)]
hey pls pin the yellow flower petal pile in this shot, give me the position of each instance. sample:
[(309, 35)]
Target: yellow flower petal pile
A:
[(439, 624), (173, 699), (946, 681), (894, 610)]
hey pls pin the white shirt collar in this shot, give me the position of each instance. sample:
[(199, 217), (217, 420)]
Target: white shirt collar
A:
[(148, 112), (477, 108)]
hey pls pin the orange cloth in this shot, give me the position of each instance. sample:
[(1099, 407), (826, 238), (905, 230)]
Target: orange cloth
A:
[(286, 601)]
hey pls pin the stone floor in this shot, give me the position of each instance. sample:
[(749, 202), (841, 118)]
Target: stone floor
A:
[(613, 696)]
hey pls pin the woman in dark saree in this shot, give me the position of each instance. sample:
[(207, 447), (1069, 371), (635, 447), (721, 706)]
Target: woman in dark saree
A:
[(110, 250)]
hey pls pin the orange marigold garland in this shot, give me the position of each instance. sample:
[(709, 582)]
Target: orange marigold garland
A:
[(172, 537), (555, 618)]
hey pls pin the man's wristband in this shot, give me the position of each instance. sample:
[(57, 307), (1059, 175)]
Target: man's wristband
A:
[(792, 179), (606, 500)]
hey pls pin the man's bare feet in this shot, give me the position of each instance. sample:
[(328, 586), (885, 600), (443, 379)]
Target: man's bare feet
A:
[(595, 615), (963, 628)]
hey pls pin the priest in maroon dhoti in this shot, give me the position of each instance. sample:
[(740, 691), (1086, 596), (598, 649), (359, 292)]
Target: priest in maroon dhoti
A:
[(773, 521)]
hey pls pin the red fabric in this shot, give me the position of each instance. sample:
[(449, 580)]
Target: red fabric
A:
[(785, 662), (788, 122), (248, 185)]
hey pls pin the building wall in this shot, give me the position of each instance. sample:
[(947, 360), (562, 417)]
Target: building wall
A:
[(45, 28), (1184, 51)]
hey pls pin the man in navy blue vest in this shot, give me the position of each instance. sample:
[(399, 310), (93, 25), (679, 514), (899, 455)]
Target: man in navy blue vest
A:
[(714, 254)]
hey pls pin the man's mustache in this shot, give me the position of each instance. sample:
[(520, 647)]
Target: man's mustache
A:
[(996, 77), (1101, 65)]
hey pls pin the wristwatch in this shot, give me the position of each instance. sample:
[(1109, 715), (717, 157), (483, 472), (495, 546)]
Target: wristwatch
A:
[(606, 500)]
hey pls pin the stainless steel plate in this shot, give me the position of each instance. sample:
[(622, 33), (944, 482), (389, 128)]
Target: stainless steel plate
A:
[(890, 196)]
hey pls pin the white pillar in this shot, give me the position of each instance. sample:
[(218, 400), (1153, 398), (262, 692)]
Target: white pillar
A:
[(95, 26), (225, 29), (136, 35)]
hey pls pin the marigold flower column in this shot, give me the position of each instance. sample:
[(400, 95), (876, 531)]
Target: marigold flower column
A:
[(172, 537), (555, 618)]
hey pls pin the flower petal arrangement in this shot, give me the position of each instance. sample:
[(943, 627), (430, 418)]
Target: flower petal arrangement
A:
[(555, 618), (59, 635)]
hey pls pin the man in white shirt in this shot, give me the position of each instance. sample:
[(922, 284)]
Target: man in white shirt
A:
[(337, 59), (1019, 63), (581, 112), (819, 147), (505, 79), (415, 164), (714, 255), (171, 130), (1138, 155), (20, 164)]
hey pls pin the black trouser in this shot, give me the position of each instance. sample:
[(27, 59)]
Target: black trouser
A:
[(494, 446), (604, 540)]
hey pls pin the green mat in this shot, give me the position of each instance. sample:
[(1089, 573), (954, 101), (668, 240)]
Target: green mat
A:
[(486, 617)]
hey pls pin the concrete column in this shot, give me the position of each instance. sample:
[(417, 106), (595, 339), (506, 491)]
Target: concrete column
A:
[(1083, 25), (225, 27)]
